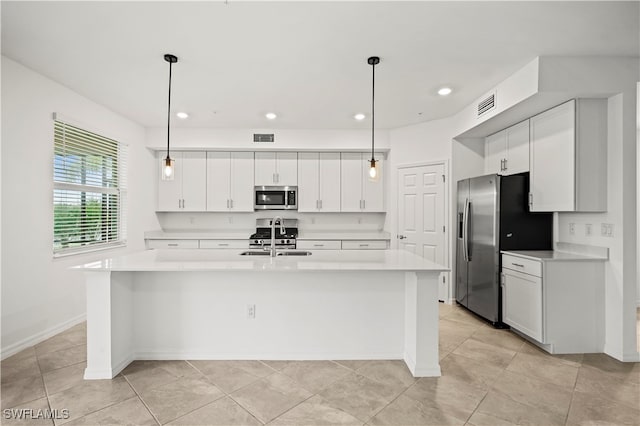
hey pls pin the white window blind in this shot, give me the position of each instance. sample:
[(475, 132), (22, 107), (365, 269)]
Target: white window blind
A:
[(89, 190)]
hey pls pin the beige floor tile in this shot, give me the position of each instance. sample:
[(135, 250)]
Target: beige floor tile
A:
[(315, 375), (158, 373), (64, 378), (15, 417), (407, 411), (464, 316), (255, 368), (481, 419), (20, 366), (499, 405), (230, 376), (470, 371), (445, 309), (353, 364), (90, 396), (502, 338), (457, 397), (535, 393), (22, 390), (393, 373), (485, 352), (74, 336), (597, 382), (271, 396), (453, 334), (129, 412), (62, 358), (179, 397), (315, 411), (360, 396), (627, 371), (547, 369), (222, 412), (591, 409), (570, 359), (276, 364)]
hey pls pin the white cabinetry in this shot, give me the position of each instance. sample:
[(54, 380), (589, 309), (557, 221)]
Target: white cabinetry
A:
[(187, 191), (230, 181), (172, 244), (319, 245), (507, 152), (276, 168), (224, 244), (319, 182), (557, 303), (358, 193), (568, 157), (364, 245)]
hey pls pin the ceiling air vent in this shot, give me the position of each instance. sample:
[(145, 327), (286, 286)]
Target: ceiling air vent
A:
[(263, 137), (487, 104)]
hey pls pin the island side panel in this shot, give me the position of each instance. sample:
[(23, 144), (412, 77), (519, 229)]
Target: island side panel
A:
[(421, 324), (298, 315)]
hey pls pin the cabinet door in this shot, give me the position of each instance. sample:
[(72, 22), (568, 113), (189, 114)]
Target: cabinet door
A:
[(495, 149), (194, 181), (552, 151), (308, 171), (265, 168), (517, 155), (522, 303), (372, 192), (241, 188), (329, 181), (351, 171), (287, 168), (218, 181), (170, 191)]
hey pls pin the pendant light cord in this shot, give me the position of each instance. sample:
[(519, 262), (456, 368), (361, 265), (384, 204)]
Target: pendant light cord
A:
[(373, 108), (169, 110)]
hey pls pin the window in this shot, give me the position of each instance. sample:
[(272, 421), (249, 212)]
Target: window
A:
[(89, 190)]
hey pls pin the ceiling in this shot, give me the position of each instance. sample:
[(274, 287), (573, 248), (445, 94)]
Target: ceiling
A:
[(305, 61)]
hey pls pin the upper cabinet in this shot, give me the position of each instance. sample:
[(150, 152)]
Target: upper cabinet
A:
[(319, 182), (568, 158), (187, 191), (230, 181), (276, 168), (358, 193), (507, 152)]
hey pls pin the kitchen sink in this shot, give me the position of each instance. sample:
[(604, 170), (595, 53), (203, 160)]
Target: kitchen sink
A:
[(254, 253), (293, 253)]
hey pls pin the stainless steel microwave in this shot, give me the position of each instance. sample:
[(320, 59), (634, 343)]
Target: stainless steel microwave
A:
[(275, 198)]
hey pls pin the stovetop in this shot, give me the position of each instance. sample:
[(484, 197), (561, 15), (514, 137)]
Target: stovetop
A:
[(265, 233)]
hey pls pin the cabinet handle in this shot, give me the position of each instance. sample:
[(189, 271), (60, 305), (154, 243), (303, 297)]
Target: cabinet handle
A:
[(505, 164), (318, 245), (363, 245), (183, 203), (364, 204), (273, 177), (223, 245), (227, 203), (231, 203), (530, 198), (320, 204), (172, 245), (517, 264), (317, 204)]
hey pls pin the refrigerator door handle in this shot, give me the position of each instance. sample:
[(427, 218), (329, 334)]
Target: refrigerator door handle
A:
[(465, 230)]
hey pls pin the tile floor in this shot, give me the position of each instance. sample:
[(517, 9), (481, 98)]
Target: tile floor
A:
[(489, 377)]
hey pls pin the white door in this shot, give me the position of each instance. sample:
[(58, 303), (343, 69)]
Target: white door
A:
[(265, 168), (287, 168), (421, 214), (241, 192), (218, 181), (517, 148), (329, 181), (308, 196), (351, 183), (194, 181)]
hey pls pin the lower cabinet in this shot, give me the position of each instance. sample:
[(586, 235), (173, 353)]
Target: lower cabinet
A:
[(365, 245), (557, 303)]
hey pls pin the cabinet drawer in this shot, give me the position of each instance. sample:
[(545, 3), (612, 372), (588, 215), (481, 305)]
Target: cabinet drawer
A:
[(364, 245), (319, 245), (528, 266), (172, 244), (224, 244)]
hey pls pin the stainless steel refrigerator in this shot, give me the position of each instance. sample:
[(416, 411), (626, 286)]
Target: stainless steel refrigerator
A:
[(493, 215)]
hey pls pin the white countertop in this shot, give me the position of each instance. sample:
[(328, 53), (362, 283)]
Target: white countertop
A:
[(230, 260), (244, 235), (552, 255)]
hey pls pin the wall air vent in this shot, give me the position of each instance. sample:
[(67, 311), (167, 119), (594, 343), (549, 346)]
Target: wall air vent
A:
[(487, 104), (264, 137)]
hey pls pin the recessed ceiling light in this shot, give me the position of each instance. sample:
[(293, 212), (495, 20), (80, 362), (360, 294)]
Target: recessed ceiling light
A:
[(444, 91), (360, 116), (271, 115), (182, 115)]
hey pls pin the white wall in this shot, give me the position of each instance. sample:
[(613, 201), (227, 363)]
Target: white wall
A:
[(40, 295)]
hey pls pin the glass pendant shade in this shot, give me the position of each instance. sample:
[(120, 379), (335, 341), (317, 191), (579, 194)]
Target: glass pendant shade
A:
[(168, 169), (373, 170)]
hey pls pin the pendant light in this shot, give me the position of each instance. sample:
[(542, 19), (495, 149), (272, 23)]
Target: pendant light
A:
[(373, 163), (169, 169)]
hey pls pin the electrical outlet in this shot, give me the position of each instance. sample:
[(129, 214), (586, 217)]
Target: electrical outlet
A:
[(610, 230), (603, 229), (588, 229), (572, 229), (251, 311)]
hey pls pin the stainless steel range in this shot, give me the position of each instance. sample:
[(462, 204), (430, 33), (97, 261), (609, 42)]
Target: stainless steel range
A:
[(283, 240)]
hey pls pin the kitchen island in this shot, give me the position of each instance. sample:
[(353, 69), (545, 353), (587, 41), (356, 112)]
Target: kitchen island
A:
[(220, 305)]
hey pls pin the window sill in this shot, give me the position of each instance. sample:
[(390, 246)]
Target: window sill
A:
[(73, 252)]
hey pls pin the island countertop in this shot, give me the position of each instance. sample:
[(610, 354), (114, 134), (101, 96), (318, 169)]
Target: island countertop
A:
[(228, 260)]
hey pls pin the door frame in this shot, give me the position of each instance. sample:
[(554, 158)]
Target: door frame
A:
[(449, 298)]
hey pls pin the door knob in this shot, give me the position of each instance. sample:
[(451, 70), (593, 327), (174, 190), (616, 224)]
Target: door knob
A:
[(401, 237)]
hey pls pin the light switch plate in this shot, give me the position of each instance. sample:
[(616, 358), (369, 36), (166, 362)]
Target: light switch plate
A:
[(588, 229), (572, 229)]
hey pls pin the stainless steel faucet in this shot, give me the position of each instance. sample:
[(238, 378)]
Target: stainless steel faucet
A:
[(272, 251)]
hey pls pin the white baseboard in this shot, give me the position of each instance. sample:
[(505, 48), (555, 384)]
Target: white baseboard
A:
[(146, 354), (40, 337)]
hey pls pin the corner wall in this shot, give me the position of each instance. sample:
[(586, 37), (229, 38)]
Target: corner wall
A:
[(40, 295)]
